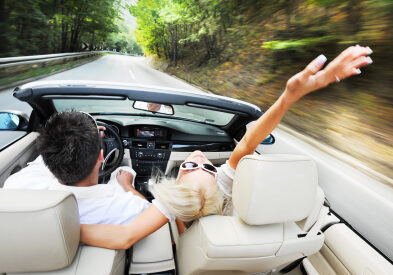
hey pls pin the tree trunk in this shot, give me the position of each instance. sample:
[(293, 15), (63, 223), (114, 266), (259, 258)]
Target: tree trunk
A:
[(175, 46), (4, 28), (157, 50), (91, 46)]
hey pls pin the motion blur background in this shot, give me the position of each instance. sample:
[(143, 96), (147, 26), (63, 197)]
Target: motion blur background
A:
[(242, 49)]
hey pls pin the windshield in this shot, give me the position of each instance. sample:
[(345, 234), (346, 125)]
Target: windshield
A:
[(217, 118)]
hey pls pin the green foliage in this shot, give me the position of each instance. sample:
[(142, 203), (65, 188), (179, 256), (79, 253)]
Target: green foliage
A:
[(170, 28), (48, 26), (123, 41), (299, 44)]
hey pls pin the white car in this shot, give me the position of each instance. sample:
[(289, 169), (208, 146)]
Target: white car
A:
[(284, 223)]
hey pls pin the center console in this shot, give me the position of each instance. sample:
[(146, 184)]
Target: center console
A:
[(147, 155), (149, 149), (154, 254)]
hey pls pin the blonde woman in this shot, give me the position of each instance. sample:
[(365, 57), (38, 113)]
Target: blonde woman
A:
[(202, 189)]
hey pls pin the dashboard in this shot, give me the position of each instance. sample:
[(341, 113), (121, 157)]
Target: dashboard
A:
[(151, 145)]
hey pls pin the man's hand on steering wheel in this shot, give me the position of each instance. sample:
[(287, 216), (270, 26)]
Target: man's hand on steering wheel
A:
[(110, 145)]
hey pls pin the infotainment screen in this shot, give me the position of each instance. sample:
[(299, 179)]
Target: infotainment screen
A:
[(144, 133), (149, 132)]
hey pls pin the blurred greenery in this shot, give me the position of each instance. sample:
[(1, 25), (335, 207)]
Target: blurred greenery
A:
[(299, 44), (32, 27), (247, 49)]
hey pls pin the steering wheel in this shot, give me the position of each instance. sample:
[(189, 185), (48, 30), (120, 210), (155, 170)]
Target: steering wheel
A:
[(110, 145)]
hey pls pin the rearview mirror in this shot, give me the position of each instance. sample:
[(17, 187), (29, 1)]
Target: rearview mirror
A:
[(153, 107), (11, 121), (269, 140)]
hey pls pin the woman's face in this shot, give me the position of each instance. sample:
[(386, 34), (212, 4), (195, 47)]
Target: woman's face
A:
[(197, 176)]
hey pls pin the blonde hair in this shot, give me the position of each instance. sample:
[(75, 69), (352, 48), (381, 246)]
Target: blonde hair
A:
[(187, 201)]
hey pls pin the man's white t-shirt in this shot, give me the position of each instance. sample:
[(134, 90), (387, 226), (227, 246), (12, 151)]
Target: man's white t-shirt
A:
[(107, 203), (97, 204)]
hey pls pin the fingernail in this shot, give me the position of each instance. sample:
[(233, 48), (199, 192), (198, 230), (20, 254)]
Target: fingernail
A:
[(369, 50), (321, 60), (358, 71), (369, 60)]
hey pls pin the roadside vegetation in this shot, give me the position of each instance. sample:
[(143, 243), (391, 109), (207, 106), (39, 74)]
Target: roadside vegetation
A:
[(32, 27), (248, 49), (40, 70)]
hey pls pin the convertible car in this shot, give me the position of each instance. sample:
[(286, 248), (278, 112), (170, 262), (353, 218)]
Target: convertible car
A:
[(283, 223)]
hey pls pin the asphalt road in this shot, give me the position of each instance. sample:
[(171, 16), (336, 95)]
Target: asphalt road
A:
[(113, 68)]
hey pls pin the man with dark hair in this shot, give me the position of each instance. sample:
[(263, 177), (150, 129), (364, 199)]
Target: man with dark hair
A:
[(73, 155), (70, 146)]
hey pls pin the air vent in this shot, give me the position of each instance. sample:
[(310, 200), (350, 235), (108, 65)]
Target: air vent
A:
[(139, 144), (162, 145)]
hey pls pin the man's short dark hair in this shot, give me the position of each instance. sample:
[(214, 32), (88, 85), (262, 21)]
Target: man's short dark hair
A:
[(70, 145)]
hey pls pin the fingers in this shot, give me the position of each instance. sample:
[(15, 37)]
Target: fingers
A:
[(353, 67), (361, 61), (122, 172), (354, 52), (348, 63), (102, 128), (314, 66)]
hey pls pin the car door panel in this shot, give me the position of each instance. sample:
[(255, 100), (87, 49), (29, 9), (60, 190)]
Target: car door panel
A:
[(15, 156), (344, 252)]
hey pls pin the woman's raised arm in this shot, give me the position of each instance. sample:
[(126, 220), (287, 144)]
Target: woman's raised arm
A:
[(310, 79), (123, 236)]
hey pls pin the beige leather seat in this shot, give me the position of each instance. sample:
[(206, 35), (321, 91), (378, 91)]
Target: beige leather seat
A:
[(270, 194), (40, 233)]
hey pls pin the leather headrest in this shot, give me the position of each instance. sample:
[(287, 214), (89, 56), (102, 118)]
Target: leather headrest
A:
[(274, 188), (39, 230)]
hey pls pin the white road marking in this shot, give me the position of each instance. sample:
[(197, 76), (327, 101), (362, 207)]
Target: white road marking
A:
[(132, 74)]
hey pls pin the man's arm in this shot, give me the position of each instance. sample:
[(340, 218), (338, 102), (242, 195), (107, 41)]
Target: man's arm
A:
[(124, 178), (123, 236)]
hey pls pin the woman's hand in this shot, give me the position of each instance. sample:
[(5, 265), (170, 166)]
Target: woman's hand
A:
[(310, 79), (313, 78)]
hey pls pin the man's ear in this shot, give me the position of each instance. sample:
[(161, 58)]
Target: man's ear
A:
[(101, 156)]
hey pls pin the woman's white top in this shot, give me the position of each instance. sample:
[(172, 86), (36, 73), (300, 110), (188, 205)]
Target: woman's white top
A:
[(225, 176)]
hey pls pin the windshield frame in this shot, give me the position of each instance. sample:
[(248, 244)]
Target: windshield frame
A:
[(98, 106)]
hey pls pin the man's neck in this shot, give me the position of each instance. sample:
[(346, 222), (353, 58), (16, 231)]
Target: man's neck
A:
[(91, 180)]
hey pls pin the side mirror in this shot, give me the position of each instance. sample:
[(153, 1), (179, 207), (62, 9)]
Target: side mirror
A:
[(269, 140), (13, 121)]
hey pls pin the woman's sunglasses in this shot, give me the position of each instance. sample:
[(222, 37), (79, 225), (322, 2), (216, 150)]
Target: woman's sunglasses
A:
[(190, 165)]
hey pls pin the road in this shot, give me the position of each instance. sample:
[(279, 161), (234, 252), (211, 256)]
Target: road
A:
[(114, 68), (363, 202)]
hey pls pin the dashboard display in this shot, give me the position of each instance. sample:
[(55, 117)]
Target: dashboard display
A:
[(150, 132), (144, 133)]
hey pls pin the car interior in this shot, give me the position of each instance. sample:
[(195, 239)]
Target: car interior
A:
[(282, 222)]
